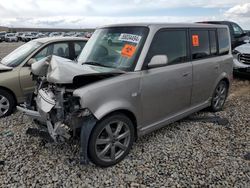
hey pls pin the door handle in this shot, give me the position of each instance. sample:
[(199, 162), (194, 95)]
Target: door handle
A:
[(185, 74)]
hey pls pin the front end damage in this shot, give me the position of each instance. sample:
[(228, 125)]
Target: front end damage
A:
[(55, 107)]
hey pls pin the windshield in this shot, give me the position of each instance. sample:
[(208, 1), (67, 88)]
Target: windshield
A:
[(16, 57), (116, 47)]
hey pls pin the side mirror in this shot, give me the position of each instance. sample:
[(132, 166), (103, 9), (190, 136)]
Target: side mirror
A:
[(31, 61), (158, 61)]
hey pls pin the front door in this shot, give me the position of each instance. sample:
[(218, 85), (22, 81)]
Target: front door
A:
[(26, 82), (167, 90)]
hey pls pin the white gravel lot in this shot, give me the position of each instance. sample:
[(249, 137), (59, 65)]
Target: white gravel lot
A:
[(183, 154)]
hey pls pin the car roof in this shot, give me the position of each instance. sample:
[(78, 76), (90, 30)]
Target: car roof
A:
[(167, 25), (59, 39), (218, 22)]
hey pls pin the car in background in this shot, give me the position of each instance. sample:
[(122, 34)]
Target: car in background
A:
[(80, 34), (247, 32), (31, 36), (242, 59), (238, 35), (40, 35), (19, 36), (56, 34), (2, 36), (88, 35), (24, 36), (10, 37), (69, 34), (28, 36), (16, 81)]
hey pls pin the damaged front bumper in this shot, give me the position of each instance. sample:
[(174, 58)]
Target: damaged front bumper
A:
[(60, 126), (31, 113), (44, 104)]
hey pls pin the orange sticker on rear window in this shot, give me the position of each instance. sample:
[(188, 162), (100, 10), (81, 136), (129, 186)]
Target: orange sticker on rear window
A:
[(195, 40), (128, 50)]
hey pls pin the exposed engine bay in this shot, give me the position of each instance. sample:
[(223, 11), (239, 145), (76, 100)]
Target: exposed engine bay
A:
[(53, 103)]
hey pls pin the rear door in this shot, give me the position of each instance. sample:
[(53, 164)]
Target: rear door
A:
[(205, 63), (167, 90)]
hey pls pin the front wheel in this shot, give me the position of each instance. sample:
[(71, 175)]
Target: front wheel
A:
[(7, 103), (219, 96), (111, 140)]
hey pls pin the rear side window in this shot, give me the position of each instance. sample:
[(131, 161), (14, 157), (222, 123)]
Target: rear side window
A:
[(223, 39), (200, 44), (61, 49), (171, 43)]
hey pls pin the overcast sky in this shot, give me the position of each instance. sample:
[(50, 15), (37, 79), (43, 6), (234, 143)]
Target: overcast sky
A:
[(93, 13)]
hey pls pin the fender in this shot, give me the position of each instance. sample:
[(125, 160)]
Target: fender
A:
[(113, 106)]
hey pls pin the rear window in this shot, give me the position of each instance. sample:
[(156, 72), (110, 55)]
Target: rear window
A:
[(223, 40)]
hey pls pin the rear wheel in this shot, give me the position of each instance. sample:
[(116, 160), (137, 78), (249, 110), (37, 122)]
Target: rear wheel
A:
[(7, 103), (219, 96), (111, 140)]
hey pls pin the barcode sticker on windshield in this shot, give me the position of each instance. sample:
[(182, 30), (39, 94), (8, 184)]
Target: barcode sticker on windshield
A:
[(130, 38)]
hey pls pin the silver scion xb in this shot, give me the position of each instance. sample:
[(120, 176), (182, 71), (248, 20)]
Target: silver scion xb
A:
[(151, 75)]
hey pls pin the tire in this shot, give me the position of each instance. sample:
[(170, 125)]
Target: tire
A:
[(7, 103), (115, 135), (219, 96)]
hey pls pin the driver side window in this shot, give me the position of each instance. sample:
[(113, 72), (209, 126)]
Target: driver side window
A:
[(172, 43)]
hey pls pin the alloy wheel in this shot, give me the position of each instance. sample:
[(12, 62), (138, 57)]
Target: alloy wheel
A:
[(220, 95), (113, 141), (4, 105)]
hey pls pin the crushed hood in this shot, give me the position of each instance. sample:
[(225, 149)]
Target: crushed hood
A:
[(244, 48), (63, 71)]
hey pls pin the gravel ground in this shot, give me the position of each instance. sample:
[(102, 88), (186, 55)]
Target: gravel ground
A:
[(183, 154)]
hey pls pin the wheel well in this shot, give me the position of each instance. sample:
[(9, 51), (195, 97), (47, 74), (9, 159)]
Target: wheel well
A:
[(11, 92), (226, 80), (130, 115)]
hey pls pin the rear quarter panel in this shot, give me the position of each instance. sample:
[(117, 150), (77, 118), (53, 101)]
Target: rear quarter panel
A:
[(225, 71)]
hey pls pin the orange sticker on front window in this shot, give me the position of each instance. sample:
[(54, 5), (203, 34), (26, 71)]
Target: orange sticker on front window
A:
[(128, 50), (195, 40)]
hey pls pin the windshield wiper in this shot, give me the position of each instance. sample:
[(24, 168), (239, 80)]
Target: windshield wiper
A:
[(95, 64)]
